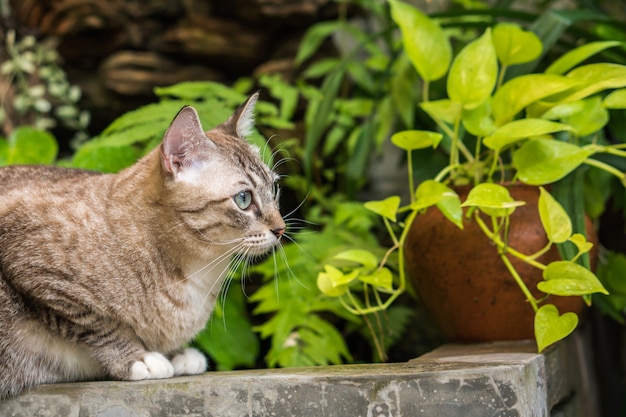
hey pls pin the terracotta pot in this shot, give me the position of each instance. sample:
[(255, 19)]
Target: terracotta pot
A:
[(464, 285)]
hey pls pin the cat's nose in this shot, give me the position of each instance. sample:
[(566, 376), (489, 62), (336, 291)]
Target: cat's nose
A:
[(278, 232)]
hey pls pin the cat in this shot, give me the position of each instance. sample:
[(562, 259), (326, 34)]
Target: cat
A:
[(108, 275)]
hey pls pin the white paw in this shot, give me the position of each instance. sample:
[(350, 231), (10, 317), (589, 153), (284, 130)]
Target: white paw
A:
[(190, 362), (152, 366)]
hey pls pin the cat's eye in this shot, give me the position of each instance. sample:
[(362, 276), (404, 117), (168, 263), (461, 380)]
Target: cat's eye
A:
[(243, 199)]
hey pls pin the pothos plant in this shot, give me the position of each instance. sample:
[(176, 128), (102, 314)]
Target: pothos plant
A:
[(537, 129)]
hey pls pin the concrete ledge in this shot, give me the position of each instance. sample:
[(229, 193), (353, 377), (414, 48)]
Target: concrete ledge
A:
[(501, 379)]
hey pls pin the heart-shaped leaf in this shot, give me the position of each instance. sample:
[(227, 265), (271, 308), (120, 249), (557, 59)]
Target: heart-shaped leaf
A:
[(387, 208), (424, 41), (416, 139), (515, 45), (569, 278), (544, 161), (554, 218), (550, 327), (473, 74), (521, 129), (492, 199)]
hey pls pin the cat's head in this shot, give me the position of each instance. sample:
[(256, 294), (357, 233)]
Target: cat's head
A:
[(223, 194)]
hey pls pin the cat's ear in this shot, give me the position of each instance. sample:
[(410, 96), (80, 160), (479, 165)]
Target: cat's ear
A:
[(242, 121), (180, 147)]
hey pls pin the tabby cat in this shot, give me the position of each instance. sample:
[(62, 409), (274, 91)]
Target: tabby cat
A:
[(107, 276)]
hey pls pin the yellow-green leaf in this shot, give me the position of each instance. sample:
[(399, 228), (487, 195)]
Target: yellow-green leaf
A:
[(616, 99), (359, 256), (445, 109), (521, 91), (387, 208), (554, 218), (416, 139), (574, 57), (492, 199), (474, 72), (569, 278), (515, 45), (581, 243), (521, 129), (550, 327), (544, 161), (424, 41), (334, 283)]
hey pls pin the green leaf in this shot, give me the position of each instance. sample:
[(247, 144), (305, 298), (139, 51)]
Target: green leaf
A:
[(544, 161), (492, 199), (228, 336), (592, 117), (313, 38), (524, 90), (554, 218), (317, 124), (104, 159), (515, 45), (564, 110), (568, 278), (380, 278), (616, 99), (424, 41), (450, 207), (550, 327), (613, 273), (200, 90), (474, 72), (478, 121), (27, 145), (574, 57), (431, 192), (593, 78), (447, 110), (359, 256), (387, 208), (334, 283), (521, 129), (581, 243), (416, 139)]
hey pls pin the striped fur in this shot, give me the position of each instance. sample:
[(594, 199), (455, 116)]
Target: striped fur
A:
[(107, 276)]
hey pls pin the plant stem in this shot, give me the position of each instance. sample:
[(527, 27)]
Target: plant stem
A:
[(410, 169), (529, 296), (503, 255), (504, 247), (608, 168)]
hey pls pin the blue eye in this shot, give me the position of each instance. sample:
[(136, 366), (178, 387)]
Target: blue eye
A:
[(243, 199)]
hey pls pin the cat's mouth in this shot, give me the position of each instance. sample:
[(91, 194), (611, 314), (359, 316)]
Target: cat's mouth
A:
[(260, 244)]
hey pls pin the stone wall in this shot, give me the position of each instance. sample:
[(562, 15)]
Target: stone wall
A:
[(498, 379)]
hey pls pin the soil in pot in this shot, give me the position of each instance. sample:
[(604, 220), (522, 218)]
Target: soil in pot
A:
[(464, 285)]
